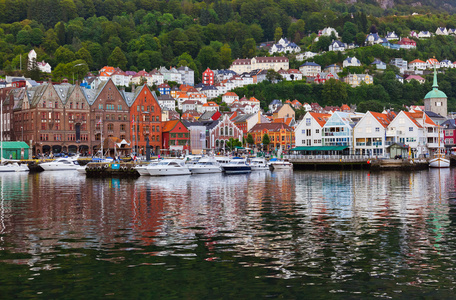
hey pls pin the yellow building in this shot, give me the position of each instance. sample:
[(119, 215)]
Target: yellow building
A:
[(281, 136)]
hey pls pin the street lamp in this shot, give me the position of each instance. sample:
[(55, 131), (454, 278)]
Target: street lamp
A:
[(22, 133)]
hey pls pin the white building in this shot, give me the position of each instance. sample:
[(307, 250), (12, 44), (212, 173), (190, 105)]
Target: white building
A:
[(166, 101), (351, 62), (230, 97), (310, 69), (370, 134), (309, 131)]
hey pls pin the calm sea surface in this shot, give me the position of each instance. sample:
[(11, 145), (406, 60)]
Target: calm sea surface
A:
[(264, 235)]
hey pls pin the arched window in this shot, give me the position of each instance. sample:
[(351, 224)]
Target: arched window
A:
[(110, 126), (221, 131), (231, 131), (158, 128), (226, 130)]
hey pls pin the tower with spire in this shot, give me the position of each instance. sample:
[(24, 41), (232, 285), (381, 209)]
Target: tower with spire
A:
[(436, 100)]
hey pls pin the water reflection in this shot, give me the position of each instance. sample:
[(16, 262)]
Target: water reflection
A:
[(332, 229)]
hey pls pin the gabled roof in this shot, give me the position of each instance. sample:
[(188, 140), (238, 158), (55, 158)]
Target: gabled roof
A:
[(381, 118), (320, 118), (409, 115), (270, 127), (416, 61), (169, 125)]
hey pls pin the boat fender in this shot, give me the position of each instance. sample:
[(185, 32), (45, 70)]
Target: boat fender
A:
[(99, 167), (123, 168), (106, 166)]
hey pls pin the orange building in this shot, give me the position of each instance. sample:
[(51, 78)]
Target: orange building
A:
[(281, 136)]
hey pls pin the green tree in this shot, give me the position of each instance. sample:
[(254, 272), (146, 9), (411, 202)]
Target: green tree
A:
[(265, 141), (250, 140), (117, 59), (334, 92), (278, 34), (370, 105), (63, 55), (225, 56), (350, 31), (249, 48), (85, 55)]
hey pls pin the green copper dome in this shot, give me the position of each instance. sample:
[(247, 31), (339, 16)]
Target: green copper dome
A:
[(435, 93)]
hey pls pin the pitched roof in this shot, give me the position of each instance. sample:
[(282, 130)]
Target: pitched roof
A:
[(381, 118), (409, 115), (270, 127), (169, 125), (320, 118)]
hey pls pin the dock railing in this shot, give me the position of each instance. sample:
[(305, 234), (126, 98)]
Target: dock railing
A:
[(329, 158)]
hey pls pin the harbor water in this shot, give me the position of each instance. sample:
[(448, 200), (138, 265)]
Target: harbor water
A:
[(286, 234)]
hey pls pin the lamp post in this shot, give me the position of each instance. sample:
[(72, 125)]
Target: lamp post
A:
[(22, 133)]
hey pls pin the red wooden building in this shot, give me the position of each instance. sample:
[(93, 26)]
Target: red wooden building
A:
[(176, 136)]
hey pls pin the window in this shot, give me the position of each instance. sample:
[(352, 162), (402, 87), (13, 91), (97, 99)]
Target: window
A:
[(377, 129), (158, 138), (119, 118), (317, 130), (119, 107), (410, 128), (122, 127), (110, 127), (100, 106), (308, 132), (56, 104), (158, 128), (308, 120)]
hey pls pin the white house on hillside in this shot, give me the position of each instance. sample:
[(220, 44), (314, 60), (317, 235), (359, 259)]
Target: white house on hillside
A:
[(351, 62)]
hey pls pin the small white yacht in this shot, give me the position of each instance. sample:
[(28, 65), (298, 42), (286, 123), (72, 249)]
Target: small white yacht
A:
[(222, 160), (206, 165), (167, 167), (61, 164), (237, 165), (143, 169), (259, 164), (14, 167), (280, 164)]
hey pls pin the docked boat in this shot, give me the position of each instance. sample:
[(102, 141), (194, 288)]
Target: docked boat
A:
[(169, 167), (277, 164), (223, 160), (14, 167), (237, 165), (143, 169), (81, 169), (259, 164), (439, 162), (61, 164), (206, 165)]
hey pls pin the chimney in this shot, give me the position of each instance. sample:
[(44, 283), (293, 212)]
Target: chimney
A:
[(133, 88)]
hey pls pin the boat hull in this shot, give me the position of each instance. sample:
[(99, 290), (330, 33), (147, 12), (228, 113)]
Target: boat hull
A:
[(57, 167), (204, 170), (439, 163), (168, 171), (12, 168), (237, 169), (282, 166)]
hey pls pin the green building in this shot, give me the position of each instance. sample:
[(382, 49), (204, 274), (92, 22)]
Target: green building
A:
[(15, 150)]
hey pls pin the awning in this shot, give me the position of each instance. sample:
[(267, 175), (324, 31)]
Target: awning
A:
[(320, 148)]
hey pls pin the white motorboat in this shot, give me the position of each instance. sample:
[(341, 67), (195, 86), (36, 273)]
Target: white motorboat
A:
[(143, 169), (169, 167), (14, 167), (259, 164), (61, 164), (206, 165), (277, 164), (222, 160), (237, 166)]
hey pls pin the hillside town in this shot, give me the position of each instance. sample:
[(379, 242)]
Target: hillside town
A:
[(99, 113)]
